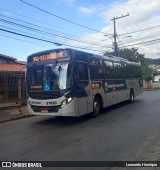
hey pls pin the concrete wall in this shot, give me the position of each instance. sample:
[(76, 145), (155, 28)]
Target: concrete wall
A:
[(147, 84)]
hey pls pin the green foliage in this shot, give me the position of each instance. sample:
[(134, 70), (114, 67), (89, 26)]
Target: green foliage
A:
[(133, 55), (147, 73)]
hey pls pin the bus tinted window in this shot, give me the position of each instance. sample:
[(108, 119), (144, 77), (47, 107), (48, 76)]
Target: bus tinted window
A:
[(35, 77), (82, 75), (133, 71), (117, 70), (96, 70), (108, 69), (82, 72), (124, 73), (139, 74)]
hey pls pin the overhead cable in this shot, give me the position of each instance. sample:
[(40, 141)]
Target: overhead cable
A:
[(44, 40), (63, 18)]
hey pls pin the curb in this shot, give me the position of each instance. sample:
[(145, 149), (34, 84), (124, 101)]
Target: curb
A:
[(15, 118), (151, 89)]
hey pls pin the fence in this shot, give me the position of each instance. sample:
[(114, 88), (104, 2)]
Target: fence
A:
[(12, 86)]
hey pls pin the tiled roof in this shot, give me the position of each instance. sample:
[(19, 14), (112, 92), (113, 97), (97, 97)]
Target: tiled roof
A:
[(12, 67), (21, 62), (8, 57)]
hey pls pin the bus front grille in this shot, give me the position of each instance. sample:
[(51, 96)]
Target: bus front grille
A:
[(49, 108)]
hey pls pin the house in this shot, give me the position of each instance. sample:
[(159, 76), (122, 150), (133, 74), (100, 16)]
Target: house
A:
[(12, 79)]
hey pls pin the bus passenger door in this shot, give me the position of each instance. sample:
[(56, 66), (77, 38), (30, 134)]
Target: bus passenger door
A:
[(82, 87)]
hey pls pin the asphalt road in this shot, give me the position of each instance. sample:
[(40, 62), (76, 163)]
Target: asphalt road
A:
[(122, 132)]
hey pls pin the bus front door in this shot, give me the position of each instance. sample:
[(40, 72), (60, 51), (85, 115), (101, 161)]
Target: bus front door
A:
[(82, 87)]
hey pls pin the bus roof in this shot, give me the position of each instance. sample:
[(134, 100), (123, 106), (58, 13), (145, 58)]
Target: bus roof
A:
[(87, 55)]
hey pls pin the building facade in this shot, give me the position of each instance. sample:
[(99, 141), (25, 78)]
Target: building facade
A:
[(12, 79)]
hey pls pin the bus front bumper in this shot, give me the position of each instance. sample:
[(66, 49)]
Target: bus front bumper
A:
[(68, 110)]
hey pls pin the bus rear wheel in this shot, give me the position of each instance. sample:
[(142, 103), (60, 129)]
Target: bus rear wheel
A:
[(96, 107)]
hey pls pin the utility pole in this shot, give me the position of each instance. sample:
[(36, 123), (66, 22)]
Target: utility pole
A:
[(115, 34)]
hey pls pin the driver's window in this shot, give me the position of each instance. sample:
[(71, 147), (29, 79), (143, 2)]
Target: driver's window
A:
[(82, 74)]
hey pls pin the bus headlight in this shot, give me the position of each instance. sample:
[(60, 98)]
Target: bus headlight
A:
[(66, 101), (69, 99)]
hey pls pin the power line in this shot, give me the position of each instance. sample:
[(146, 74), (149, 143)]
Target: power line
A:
[(145, 42), (27, 36), (149, 44), (26, 41), (38, 21), (44, 40), (148, 36), (140, 30), (23, 40), (40, 29), (24, 22), (44, 32), (63, 18)]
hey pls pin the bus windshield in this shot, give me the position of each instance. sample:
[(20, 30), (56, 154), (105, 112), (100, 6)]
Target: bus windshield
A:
[(50, 77)]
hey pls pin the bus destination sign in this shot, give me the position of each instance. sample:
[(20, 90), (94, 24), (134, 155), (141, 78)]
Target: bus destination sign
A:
[(47, 56)]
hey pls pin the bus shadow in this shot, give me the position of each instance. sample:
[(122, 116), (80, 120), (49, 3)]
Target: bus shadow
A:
[(72, 121), (64, 121), (118, 106)]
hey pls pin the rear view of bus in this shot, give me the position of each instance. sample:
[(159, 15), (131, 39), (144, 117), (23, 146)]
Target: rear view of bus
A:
[(49, 78)]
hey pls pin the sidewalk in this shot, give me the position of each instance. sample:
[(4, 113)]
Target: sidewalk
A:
[(12, 111)]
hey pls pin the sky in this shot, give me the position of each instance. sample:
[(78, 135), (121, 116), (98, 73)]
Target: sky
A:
[(29, 26)]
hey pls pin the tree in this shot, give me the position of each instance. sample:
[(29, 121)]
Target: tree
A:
[(133, 55), (147, 73)]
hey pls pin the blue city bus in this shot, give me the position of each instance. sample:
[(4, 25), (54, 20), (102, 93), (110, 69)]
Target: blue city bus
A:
[(68, 82)]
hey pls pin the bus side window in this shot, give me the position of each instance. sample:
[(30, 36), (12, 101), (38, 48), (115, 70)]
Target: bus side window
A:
[(108, 66), (139, 72), (124, 71), (117, 70), (82, 75), (96, 69)]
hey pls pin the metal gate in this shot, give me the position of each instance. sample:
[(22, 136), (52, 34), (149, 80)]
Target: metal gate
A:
[(12, 86)]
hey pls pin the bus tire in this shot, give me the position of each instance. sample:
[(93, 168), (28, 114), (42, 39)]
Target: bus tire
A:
[(96, 107), (131, 99)]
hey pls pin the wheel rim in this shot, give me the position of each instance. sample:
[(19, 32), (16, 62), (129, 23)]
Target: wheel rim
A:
[(96, 107), (132, 97)]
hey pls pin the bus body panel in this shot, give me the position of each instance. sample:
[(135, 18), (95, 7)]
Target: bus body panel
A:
[(111, 90)]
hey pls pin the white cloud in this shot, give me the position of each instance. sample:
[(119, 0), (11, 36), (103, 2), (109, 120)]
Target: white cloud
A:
[(69, 2), (142, 14), (86, 11)]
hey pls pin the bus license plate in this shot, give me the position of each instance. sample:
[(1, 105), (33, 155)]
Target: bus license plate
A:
[(44, 110)]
